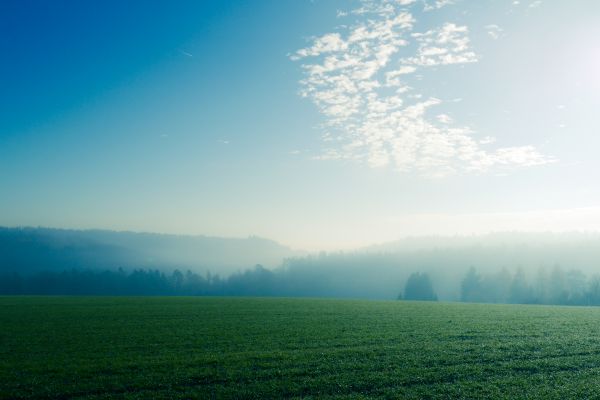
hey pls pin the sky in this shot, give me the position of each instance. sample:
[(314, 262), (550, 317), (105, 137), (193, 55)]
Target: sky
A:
[(321, 124)]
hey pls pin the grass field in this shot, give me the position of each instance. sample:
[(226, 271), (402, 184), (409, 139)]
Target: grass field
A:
[(100, 348)]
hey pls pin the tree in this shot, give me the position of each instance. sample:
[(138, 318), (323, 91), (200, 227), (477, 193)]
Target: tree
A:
[(576, 286), (559, 293), (496, 287), (520, 291), (593, 292), (419, 287), (177, 280), (471, 288), (542, 287)]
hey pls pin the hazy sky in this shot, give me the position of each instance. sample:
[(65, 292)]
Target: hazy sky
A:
[(321, 124)]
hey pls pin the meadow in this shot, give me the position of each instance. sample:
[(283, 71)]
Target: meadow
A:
[(257, 348)]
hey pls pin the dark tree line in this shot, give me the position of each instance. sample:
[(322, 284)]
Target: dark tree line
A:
[(257, 281), (546, 286)]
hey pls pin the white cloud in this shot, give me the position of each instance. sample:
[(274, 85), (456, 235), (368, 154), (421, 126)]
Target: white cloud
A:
[(446, 45), (359, 80), (494, 31), (437, 4), (535, 4), (444, 118), (325, 44)]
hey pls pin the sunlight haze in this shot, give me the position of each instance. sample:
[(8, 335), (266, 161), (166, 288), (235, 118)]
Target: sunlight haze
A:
[(322, 125)]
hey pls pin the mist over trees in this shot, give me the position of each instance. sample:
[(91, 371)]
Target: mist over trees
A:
[(29, 250), (509, 268), (548, 286)]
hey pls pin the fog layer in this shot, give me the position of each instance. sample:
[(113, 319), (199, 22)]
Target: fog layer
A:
[(508, 267)]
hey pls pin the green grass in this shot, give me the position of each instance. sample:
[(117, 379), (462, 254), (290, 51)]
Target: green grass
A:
[(140, 348)]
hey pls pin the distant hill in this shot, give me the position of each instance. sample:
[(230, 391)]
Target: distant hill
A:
[(548, 241), (28, 250)]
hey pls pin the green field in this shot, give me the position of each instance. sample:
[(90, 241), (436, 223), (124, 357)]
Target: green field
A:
[(57, 347)]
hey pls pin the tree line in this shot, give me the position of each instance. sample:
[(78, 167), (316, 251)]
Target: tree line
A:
[(146, 282), (555, 286), (546, 286)]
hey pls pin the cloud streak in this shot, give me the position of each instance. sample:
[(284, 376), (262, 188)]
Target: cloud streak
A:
[(358, 77)]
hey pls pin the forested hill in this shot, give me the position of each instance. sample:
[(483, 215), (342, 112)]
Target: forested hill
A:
[(27, 250)]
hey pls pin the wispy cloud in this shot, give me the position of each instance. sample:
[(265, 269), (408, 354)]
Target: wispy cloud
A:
[(448, 44), (535, 4), (494, 31), (437, 4), (359, 77)]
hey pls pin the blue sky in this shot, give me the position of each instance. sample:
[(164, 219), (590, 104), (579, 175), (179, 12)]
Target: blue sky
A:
[(320, 124)]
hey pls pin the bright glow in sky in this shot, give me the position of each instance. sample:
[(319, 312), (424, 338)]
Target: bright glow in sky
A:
[(319, 124)]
